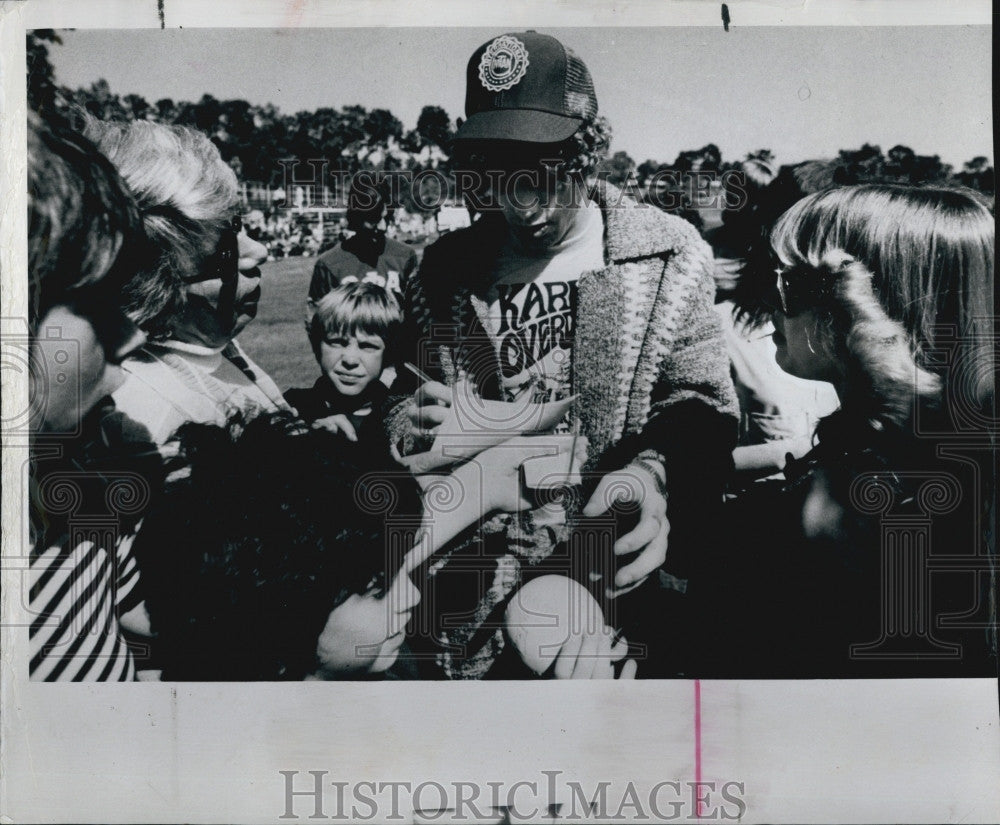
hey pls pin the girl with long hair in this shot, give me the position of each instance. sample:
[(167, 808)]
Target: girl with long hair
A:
[(874, 556)]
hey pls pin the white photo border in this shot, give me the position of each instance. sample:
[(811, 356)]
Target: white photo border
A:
[(809, 751)]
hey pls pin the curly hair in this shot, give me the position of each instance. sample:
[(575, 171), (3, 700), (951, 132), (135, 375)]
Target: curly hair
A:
[(263, 533), (576, 158), (186, 194), (911, 269), (584, 150)]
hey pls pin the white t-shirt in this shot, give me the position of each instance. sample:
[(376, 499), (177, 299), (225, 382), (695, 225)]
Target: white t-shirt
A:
[(532, 307)]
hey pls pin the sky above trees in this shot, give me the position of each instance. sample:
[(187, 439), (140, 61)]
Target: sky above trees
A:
[(801, 92)]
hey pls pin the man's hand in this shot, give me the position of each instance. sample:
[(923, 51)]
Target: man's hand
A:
[(727, 274), (593, 656), (635, 484), (337, 424), (431, 402)]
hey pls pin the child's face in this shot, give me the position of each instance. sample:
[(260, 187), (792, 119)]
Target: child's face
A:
[(352, 361), (364, 633)]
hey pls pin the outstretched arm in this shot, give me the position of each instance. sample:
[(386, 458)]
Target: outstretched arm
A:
[(498, 479)]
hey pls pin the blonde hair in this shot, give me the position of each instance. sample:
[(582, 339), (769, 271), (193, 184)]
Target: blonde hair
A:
[(186, 194), (356, 306), (910, 268)]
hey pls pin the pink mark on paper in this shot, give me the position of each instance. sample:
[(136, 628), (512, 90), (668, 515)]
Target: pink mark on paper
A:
[(697, 745), (293, 13)]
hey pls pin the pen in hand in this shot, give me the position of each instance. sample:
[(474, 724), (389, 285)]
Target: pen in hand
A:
[(426, 379), (423, 376)]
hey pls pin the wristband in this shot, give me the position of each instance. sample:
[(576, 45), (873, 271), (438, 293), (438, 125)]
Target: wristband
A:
[(649, 460), (653, 455)]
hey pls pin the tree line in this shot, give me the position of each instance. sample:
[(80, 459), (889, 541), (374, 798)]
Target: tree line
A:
[(900, 164), (252, 138)]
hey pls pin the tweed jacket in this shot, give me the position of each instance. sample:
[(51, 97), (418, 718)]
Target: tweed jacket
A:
[(649, 367)]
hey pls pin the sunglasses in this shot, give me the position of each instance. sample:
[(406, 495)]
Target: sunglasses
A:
[(222, 264), (800, 288)]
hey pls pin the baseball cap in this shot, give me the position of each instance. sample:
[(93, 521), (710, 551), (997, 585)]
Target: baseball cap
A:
[(526, 87)]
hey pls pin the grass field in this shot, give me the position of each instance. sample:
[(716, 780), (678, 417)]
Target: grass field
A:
[(277, 338)]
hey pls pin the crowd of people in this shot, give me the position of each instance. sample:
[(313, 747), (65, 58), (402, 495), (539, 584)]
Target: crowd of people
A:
[(308, 233), (290, 236), (575, 439)]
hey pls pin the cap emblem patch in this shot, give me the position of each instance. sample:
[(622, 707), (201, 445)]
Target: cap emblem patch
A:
[(503, 64)]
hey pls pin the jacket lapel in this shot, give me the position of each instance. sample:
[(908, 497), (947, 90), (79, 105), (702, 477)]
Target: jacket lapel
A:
[(597, 354), (615, 305)]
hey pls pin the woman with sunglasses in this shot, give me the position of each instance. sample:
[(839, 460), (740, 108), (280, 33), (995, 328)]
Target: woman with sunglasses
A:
[(873, 558), (199, 292)]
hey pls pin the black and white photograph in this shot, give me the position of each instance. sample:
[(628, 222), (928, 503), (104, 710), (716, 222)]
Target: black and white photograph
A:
[(464, 360)]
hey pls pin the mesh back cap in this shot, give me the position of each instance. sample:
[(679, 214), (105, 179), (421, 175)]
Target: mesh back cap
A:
[(527, 87)]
